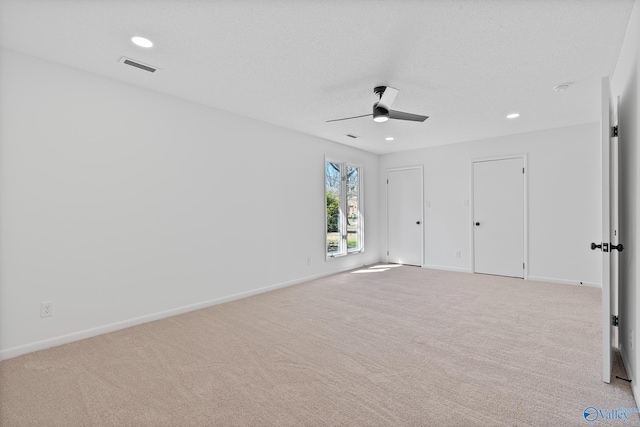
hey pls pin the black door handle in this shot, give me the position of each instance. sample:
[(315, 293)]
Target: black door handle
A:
[(594, 246), (617, 247), (418, 222), (477, 224)]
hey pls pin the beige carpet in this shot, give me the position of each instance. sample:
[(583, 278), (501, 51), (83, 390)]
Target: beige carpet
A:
[(401, 347)]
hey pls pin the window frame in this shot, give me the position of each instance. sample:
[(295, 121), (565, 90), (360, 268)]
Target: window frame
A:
[(343, 211)]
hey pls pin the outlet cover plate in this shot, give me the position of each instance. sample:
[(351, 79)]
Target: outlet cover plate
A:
[(46, 309)]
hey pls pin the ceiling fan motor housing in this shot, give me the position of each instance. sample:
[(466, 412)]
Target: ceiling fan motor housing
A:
[(379, 111)]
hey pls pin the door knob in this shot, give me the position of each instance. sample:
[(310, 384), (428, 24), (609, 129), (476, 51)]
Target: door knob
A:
[(603, 246), (418, 222), (617, 247), (477, 224)]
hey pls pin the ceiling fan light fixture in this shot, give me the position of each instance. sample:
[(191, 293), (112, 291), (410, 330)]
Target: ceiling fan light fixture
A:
[(380, 114)]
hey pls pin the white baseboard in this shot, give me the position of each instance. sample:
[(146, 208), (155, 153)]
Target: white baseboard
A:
[(635, 389), (446, 268), (535, 278), (88, 333), (564, 281)]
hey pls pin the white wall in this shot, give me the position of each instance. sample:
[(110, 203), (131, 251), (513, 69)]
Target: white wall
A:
[(564, 200), (625, 85), (123, 205)]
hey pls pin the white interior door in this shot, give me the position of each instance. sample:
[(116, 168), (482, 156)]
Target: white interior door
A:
[(404, 216), (616, 246), (498, 216)]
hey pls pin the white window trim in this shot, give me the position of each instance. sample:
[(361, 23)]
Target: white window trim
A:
[(343, 207)]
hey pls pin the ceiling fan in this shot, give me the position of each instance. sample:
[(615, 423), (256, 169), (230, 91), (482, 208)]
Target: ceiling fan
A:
[(382, 109)]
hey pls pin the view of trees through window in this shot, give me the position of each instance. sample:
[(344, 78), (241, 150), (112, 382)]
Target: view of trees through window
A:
[(342, 191)]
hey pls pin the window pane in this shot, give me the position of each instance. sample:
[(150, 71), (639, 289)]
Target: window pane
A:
[(353, 209), (334, 219)]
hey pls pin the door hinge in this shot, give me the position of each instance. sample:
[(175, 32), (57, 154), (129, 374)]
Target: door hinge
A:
[(387, 253), (614, 320), (387, 181), (614, 131), (523, 265), (522, 170)]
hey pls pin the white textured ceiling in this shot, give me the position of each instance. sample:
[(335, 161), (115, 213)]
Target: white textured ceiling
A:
[(464, 63)]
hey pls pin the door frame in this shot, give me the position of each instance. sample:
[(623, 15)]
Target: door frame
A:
[(608, 266), (525, 184), (421, 168)]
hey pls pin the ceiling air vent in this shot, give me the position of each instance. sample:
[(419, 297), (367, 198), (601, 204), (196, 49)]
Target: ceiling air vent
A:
[(352, 136), (138, 64)]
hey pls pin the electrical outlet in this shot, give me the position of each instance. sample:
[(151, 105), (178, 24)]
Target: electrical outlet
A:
[(458, 254), (309, 261), (46, 309)]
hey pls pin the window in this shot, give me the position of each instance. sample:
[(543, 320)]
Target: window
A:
[(344, 228)]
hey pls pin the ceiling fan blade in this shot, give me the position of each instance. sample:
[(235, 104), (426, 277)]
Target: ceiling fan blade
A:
[(387, 98), (349, 118), (399, 115)]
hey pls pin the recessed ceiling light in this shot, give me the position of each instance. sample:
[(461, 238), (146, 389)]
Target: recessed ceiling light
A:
[(513, 115), (389, 138), (141, 41)]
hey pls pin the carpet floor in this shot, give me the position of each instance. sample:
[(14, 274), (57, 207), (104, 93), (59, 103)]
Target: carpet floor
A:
[(379, 346)]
